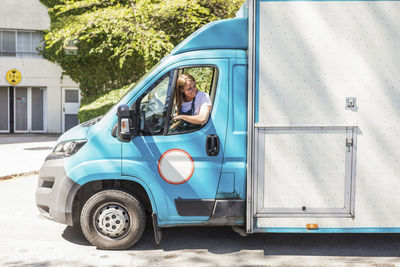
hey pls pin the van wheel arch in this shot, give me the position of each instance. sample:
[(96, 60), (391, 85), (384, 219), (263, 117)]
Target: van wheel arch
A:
[(89, 189)]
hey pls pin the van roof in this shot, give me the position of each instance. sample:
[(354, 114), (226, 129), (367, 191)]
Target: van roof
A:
[(220, 34)]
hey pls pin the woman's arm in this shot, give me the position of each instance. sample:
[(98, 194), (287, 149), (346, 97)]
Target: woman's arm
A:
[(201, 118)]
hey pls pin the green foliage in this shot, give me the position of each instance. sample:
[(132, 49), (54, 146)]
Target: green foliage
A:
[(51, 3), (93, 106), (119, 40)]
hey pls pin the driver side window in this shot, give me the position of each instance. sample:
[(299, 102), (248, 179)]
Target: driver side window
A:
[(154, 105), (159, 105), (205, 81)]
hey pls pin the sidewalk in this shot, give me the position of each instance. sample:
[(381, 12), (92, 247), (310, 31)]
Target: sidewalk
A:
[(24, 153)]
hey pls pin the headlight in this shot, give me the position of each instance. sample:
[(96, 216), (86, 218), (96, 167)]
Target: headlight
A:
[(69, 148)]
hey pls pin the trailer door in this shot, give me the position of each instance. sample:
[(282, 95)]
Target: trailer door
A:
[(304, 171)]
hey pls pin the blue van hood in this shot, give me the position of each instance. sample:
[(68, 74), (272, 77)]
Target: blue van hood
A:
[(80, 131), (76, 133)]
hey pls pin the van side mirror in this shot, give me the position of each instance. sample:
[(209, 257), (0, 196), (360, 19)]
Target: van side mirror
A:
[(124, 123)]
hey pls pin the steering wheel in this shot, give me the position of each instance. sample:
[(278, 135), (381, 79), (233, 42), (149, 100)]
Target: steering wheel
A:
[(175, 126)]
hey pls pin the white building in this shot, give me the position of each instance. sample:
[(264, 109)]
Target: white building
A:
[(40, 99)]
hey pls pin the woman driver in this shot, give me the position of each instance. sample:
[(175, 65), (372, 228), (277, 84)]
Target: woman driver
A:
[(194, 105)]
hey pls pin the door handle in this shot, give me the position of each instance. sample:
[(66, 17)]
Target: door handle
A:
[(212, 145)]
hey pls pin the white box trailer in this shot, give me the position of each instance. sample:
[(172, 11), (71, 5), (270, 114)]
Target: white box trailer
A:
[(324, 116)]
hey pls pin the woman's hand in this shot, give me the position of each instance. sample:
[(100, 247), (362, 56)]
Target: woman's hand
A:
[(201, 118), (177, 117)]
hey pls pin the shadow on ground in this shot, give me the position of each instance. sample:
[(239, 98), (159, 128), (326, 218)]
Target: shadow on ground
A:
[(222, 240), (75, 235)]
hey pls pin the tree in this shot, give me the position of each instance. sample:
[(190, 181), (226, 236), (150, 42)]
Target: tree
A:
[(119, 40)]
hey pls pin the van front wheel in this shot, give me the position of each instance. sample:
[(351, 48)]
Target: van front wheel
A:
[(113, 219)]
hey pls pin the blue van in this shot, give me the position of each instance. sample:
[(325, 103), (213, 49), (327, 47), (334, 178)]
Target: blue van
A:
[(108, 173), (301, 137)]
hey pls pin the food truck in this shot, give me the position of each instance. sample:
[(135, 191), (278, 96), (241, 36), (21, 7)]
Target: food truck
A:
[(301, 138)]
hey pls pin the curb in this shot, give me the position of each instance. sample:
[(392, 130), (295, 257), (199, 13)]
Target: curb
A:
[(18, 175)]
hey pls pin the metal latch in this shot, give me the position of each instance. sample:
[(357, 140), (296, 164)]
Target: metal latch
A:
[(349, 144), (351, 103)]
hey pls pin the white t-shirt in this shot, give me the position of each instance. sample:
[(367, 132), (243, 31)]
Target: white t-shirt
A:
[(200, 100)]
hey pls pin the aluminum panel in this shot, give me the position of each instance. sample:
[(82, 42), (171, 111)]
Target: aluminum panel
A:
[(304, 171), (314, 55), (70, 120), (21, 109), (250, 118), (304, 168), (37, 109)]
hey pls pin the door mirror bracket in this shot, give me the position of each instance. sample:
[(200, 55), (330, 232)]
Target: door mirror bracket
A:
[(134, 126)]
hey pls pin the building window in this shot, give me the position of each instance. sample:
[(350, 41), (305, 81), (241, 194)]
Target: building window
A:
[(19, 43)]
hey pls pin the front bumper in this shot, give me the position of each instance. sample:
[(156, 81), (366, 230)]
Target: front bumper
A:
[(55, 192)]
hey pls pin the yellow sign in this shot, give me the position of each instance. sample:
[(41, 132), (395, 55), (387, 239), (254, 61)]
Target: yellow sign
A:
[(13, 76)]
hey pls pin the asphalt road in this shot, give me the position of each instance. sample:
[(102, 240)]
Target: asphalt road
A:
[(26, 239)]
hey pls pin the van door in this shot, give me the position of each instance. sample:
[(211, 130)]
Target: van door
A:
[(182, 159)]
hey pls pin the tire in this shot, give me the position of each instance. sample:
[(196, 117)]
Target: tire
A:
[(113, 219)]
